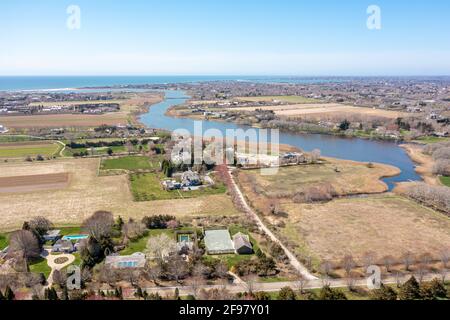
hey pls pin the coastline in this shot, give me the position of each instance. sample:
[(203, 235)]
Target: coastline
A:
[(424, 163)]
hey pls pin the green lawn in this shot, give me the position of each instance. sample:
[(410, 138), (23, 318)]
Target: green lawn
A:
[(65, 231), (141, 244), (69, 152), (147, 187), (3, 241), (432, 139), (18, 151), (130, 163), (445, 181), (40, 266)]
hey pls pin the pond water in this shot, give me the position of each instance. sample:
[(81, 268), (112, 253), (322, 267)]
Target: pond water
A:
[(331, 146)]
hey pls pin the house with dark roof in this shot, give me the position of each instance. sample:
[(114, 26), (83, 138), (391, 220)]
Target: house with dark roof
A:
[(242, 243), (65, 246)]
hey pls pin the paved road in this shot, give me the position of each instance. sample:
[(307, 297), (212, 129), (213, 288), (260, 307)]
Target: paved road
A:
[(277, 286), (292, 258)]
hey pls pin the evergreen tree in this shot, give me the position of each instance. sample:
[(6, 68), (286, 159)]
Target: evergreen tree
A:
[(287, 293), (433, 290), (410, 290), (177, 294), (384, 293), (2, 297), (328, 293), (138, 294), (9, 294)]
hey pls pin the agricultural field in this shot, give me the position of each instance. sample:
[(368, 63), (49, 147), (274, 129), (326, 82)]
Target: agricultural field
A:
[(386, 225), (87, 192), (287, 99), (147, 187), (29, 148), (323, 109), (32, 183)]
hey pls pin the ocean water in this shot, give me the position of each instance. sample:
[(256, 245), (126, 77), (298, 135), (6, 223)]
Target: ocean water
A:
[(18, 83)]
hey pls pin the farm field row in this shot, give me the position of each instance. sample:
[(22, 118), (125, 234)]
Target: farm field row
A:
[(87, 192)]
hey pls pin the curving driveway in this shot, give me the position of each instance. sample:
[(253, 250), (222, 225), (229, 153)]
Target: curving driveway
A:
[(54, 265)]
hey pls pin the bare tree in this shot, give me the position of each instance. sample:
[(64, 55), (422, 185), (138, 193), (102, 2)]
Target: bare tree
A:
[(154, 273), (40, 224), (408, 259), (351, 281), (133, 230), (426, 259), (250, 283), (300, 282), (160, 247), (107, 275), (221, 270), (444, 255), (25, 243), (177, 267), (421, 271), (369, 258), (315, 155), (348, 263), (326, 267), (388, 261), (99, 225)]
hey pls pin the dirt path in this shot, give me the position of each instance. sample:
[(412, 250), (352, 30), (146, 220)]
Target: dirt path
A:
[(424, 163), (292, 259)]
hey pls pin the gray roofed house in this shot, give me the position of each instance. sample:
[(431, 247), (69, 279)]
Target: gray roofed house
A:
[(63, 246), (136, 260), (218, 242), (52, 235), (242, 243), (190, 178)]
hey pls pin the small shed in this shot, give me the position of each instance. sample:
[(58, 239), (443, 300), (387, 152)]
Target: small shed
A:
[(242, 243)]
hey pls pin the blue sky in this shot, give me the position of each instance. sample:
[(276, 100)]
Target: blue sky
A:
[(218, 37)]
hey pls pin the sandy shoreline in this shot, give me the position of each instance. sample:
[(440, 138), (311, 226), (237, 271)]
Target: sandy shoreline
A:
[(424, 163)]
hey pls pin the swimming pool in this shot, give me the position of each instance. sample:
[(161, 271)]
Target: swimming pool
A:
[(184, 238), (76, 237)]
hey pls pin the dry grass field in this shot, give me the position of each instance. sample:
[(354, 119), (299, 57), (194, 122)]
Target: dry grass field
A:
[(309, 109), (386, 225), (287, 99), (86, 193), (347, 177), (64, 120)]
